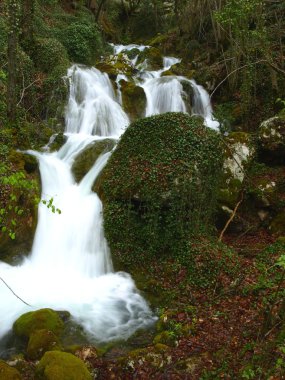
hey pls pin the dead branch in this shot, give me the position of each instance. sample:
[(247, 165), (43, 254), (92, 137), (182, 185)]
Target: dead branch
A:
[(14, 292)]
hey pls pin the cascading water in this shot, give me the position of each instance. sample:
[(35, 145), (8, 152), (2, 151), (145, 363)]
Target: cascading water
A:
[(70, 266)]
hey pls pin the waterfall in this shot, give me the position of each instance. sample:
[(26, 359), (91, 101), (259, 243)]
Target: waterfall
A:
[(70, 266)]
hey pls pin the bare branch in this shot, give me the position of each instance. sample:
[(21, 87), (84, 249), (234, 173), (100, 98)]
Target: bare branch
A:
[(14, 292)]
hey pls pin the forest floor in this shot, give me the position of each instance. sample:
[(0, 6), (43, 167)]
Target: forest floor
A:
[(228, 333)]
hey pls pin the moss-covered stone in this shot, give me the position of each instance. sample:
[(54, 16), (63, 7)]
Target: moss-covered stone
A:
[(87, 158), (271, 139), (277, 226), (8, 373), (153, 56), (134, 99), (41, 341), (56, 365), (30, 322), (164, 171), (238, 155), (116, 64)]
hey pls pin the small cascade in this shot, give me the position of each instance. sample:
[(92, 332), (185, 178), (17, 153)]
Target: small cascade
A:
[(70, 266)]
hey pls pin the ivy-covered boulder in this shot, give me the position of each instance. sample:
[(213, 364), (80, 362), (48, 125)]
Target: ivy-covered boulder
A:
[(160, 185), (271, 139), (56, 365), (8, 373), (32, 321)]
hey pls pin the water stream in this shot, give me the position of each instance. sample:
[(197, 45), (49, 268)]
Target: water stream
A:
[(70, 266)]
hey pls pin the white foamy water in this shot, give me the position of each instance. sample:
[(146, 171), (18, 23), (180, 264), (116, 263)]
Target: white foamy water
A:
[(70, 266)]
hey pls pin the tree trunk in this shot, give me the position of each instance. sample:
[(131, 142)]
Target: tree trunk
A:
[(13, 13)]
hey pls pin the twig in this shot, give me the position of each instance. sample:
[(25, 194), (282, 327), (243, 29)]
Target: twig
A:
[(231, 218), (25, 88), (14, 292)]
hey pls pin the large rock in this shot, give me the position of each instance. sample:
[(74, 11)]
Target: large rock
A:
[(116, 64), (32, 321), (238, 155), (271, 139), (153, 57), (134, 99), (8, 373), (56, 365), (160, 186), (41, 341)]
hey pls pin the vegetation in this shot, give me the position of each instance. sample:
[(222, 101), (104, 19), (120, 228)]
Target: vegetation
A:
[(220, 305)]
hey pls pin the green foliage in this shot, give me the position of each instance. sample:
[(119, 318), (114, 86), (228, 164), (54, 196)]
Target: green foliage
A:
[(82, 41), (49, 53)]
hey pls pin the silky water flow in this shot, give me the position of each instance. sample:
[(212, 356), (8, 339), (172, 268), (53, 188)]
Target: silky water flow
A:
[(70, 266)]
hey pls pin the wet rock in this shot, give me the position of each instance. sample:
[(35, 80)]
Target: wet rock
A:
[(8, 373), (271, 140), (32, 321), (153, 57), (116, 64), (134, 99), (56, 365), (87, 158), (41, 341)]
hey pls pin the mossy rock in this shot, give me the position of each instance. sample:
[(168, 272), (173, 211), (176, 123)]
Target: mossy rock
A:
[(134, 99), (8, 373), (41, 341), (85, 161), (239, 152), (155, 356), (181, 69), (271, 140), (116, 64), (56, 365), (32, 321), (163, 166), (23, 161), (277, 226), (153, 56), (165, 337)]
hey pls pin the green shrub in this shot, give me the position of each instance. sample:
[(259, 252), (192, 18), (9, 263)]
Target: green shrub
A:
[(82, 41), (49, 53)]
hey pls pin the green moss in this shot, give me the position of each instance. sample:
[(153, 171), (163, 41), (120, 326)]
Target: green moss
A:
[(153, 56), (277, 225), (8, 373), (165, 337), (41, 341), (87, 158), (56, 365), (114, 65), (38, 320), (134, 99), (49, 53)]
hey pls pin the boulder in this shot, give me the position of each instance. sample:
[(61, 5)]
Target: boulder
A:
[(271, 140), (32, 321), (238, 153), (41, 341), (134, 99), (8, 373), (56, 365)]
